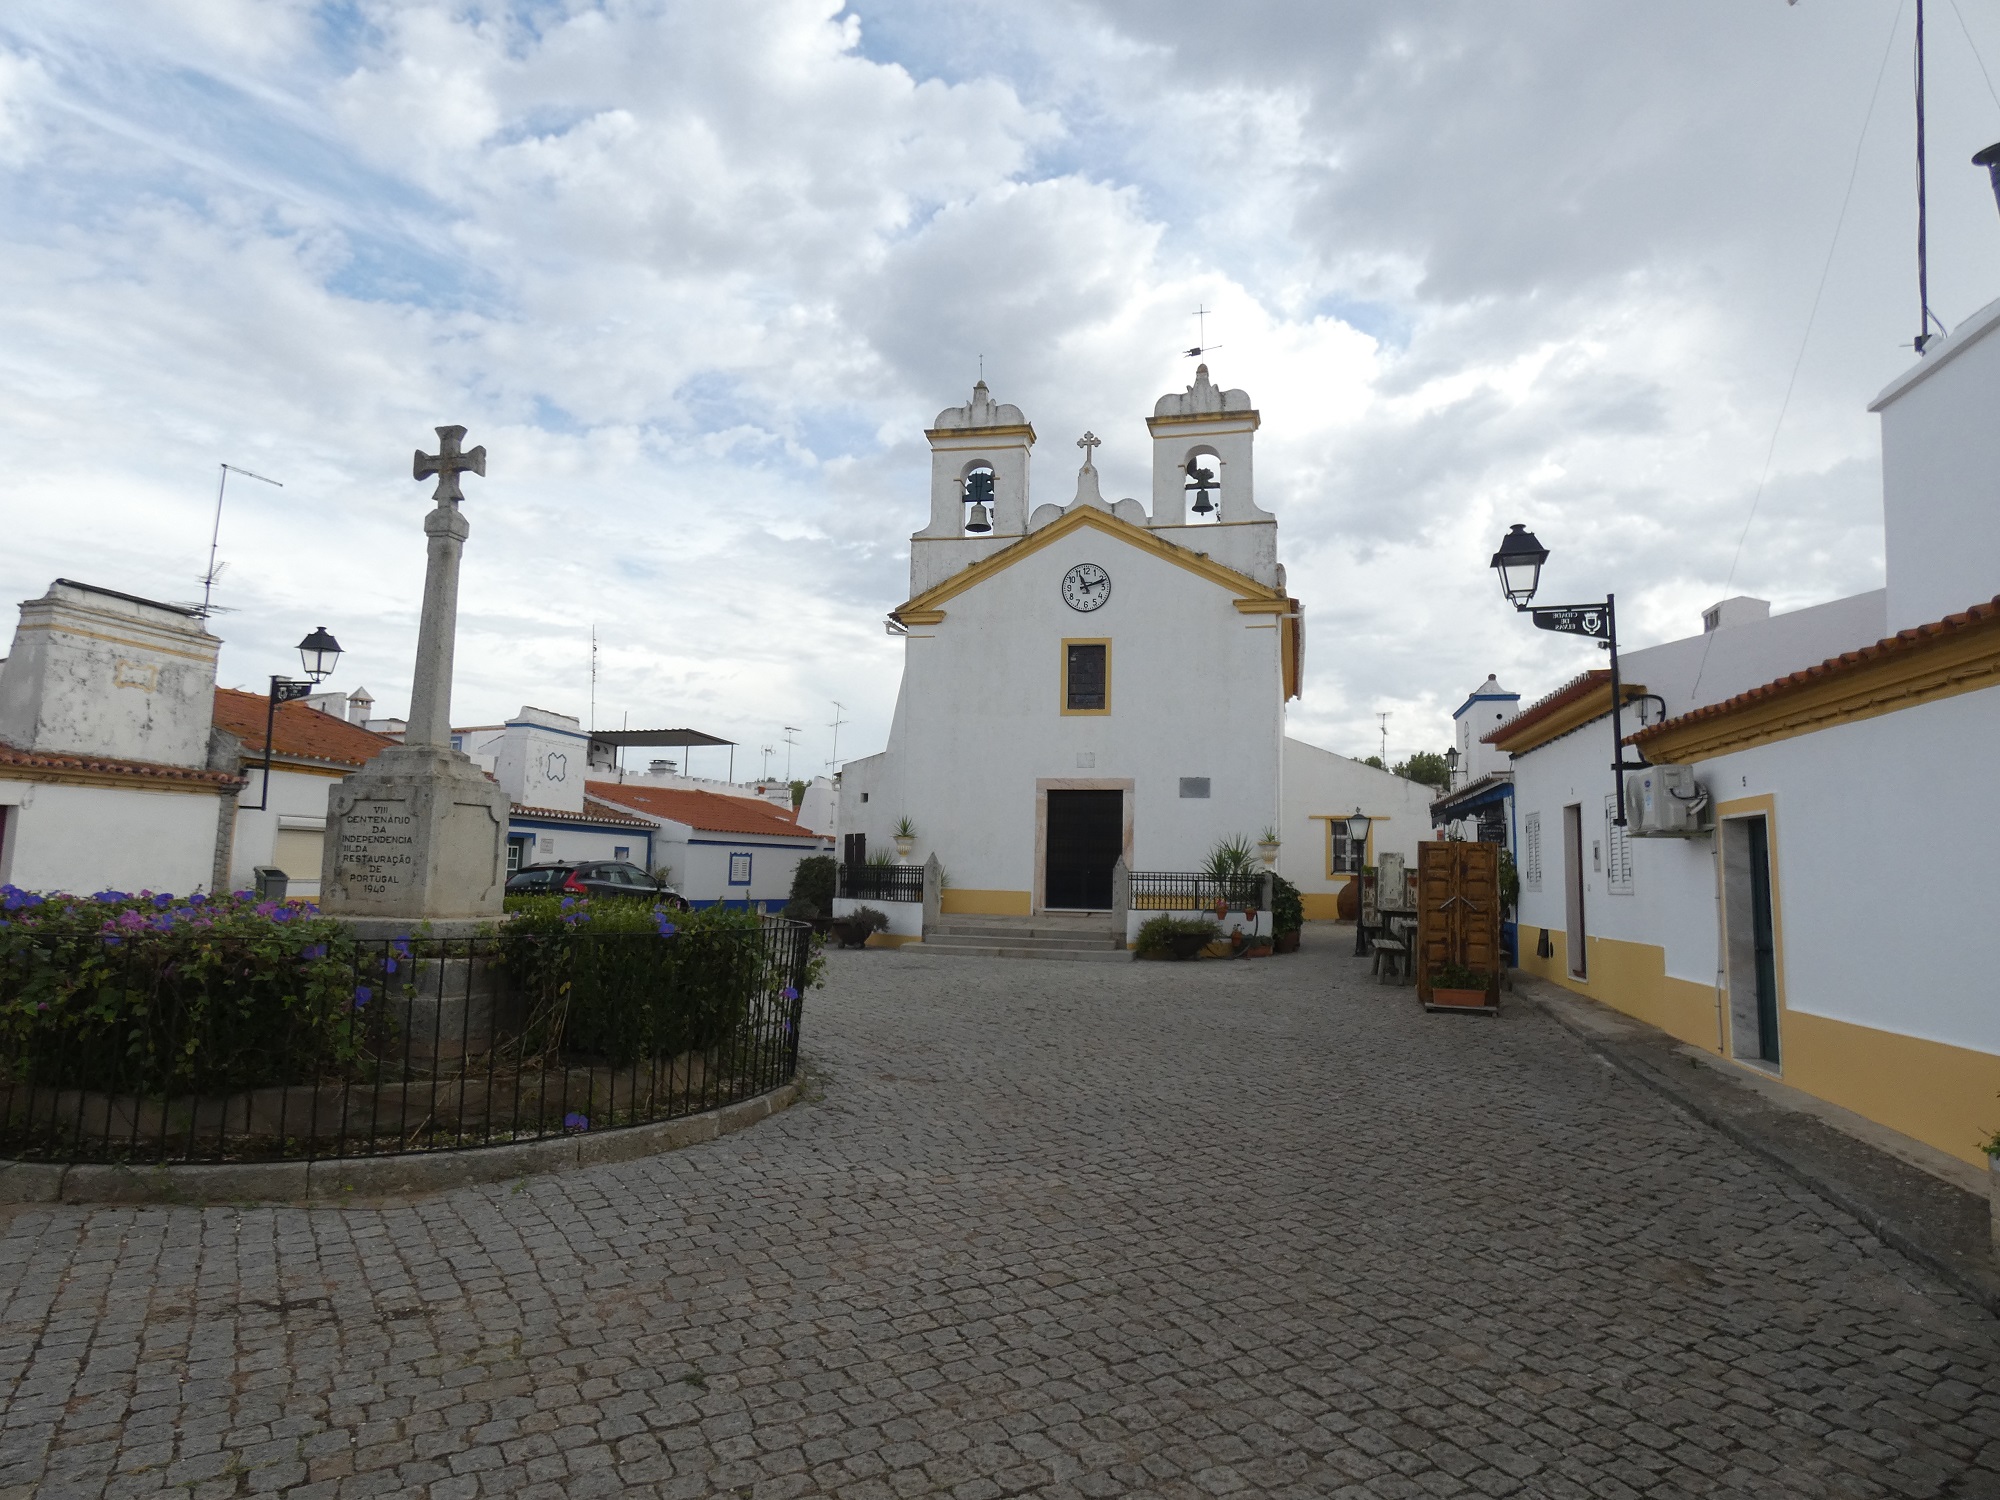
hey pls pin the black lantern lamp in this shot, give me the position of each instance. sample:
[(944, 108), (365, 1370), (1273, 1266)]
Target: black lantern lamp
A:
[(1357, 846), (1450, 766), (979, 496), (319, 653), (1519, 564), (1200, 483)]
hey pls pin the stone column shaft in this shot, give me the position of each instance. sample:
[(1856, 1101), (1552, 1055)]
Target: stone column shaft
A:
[(437, 632)]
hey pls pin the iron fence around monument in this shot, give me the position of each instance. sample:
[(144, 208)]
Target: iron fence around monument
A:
[(1179, 890), (882, 882), (405, 1045)]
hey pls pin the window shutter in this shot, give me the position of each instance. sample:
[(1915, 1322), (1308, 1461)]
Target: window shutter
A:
[(1617, 851), (1531, 851)]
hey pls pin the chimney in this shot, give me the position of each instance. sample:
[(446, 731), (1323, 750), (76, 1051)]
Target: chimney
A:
[(358, 706), (1990, 159)]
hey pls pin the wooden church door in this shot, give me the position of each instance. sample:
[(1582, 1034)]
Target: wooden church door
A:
[(1086, 835)]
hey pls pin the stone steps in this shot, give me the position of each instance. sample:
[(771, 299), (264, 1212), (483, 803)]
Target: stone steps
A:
[(1087, 938), (971, 948)]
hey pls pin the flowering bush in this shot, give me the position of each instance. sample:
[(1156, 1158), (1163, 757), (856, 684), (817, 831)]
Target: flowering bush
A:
[(160, 993)]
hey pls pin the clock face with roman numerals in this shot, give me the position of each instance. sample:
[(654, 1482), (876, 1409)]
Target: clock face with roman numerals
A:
[(1086, 587)]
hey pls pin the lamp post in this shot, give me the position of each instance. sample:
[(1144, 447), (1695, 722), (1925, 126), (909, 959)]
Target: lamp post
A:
[(1450, 767), (318, 655), (1519, 564), (1357, 845)]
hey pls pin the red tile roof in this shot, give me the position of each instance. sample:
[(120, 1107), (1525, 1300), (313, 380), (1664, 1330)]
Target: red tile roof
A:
[(302, 731), (1980, 616), (594, 813), (1577, 687), (103, 765), (711, 812)]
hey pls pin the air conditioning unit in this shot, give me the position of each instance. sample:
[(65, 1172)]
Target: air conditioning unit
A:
[(1666, 802)]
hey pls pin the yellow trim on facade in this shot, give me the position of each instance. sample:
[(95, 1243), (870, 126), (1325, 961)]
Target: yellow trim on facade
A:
[(976, 437), (1062, 698), (1241, 584), (1320, 906), (921, 617), (1263, 606), (1595, 704), (1158, 425), (206, 658), (1942, 1095), (1964, 661), (955, 902)]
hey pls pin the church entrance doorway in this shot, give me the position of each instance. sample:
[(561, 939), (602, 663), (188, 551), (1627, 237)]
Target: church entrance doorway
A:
[(1086, 836)]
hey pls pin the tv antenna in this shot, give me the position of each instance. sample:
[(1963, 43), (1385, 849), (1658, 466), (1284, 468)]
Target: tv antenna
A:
[(838, 707), (1202, 345), (1385, 716), (215, 533), (791, 739), (768, 751)]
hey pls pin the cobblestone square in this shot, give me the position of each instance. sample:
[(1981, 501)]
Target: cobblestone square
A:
[(1038, 1228)]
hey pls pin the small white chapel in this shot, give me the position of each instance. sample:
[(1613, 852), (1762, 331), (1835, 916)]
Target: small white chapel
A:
[(1090, 680)]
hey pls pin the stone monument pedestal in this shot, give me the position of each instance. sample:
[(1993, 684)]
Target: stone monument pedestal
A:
[(418, 835)]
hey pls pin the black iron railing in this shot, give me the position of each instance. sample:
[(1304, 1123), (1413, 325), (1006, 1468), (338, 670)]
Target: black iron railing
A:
[(882, 882), (382, 1047), (1174, 890)]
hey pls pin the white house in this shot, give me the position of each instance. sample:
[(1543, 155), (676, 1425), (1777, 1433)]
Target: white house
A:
[(106, 778), (1087, 681), (282, 825), (1480, 798), (1829, 921), (717, 849), (541, 759)]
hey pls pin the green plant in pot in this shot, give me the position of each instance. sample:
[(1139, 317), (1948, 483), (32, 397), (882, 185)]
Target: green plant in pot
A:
[(1288, 914), (1459, 984), (1174, 937), (854, 929)]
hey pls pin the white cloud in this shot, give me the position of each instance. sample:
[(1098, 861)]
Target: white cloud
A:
[(698, 275)]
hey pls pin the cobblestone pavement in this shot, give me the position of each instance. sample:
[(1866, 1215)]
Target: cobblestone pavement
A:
[(1184, 1230)]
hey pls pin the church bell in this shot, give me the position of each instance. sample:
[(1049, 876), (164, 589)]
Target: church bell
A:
[(979, 496), (1200, 481)]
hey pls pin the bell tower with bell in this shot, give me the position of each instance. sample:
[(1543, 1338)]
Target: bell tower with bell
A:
[(979, 486), (1201, 456)]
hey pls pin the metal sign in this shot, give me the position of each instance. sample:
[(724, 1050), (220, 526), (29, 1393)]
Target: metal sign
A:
[(1593, 620)]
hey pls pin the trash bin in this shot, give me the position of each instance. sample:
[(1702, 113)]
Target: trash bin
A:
[(271, 883)]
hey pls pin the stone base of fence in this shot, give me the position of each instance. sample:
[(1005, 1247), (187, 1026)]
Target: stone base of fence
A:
[(352, 1179)]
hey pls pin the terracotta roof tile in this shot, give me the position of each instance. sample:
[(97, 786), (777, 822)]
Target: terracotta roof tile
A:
[(595, 813), (1986, 615), (711, 812), (104, 765), (1577, 687), (302, 731)]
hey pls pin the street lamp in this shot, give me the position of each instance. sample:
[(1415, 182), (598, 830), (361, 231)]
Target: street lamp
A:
[(1519, 564), (319, 653), (1450, 767), (1357, 844)]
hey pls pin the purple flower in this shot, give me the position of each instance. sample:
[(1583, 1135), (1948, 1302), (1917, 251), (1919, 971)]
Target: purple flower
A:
[(283, 914), (362, 995), (162, 902), (667, 929), (317, 950), (788, 993), (575, 1121)]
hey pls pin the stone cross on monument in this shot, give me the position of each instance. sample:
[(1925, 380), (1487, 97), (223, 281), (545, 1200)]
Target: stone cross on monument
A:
[(1090, 442), (419, 833)]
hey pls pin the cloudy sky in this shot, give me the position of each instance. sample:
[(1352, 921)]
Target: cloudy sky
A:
[(698, 276)]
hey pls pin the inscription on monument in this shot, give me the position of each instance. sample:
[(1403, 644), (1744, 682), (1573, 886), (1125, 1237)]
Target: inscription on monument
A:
[(377, 851)]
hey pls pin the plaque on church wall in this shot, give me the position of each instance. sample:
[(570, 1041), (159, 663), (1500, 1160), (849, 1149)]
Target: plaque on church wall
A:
[(1194, 786)]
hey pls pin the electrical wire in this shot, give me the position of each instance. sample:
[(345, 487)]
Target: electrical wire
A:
[(1791, 383), (1974, 46)]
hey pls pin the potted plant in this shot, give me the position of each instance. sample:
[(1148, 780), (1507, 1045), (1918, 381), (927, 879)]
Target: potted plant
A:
[(1171, 937), (1267, 847), (1993, 1187), (1455, 984), (905, 837), (1250, 943), (1288, 915), (854, 929)]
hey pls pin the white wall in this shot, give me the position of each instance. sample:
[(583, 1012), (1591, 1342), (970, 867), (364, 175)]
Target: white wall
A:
[(83, 839), (1719, 664), (1319, 785), (1484, 710), (906, 918), (1941, 476), (1195, 690), (540, 758), (297, 805), (557, 844), (701, 867)]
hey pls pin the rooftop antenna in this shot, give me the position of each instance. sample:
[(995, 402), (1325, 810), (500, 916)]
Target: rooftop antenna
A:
[(1924, 315), (215, 532), (791, 731), (1202, 345), (593, 677), (1385, 717), (768, 752), (834, 764)]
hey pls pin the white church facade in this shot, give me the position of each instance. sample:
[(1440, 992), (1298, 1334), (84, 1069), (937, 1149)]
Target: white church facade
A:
[(1089, 681)]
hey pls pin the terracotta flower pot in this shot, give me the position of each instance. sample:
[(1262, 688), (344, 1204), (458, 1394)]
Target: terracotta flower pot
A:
[(1475, 998), (1286, 942)]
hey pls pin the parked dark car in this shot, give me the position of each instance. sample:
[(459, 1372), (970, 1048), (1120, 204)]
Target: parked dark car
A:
[(609, 877)]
